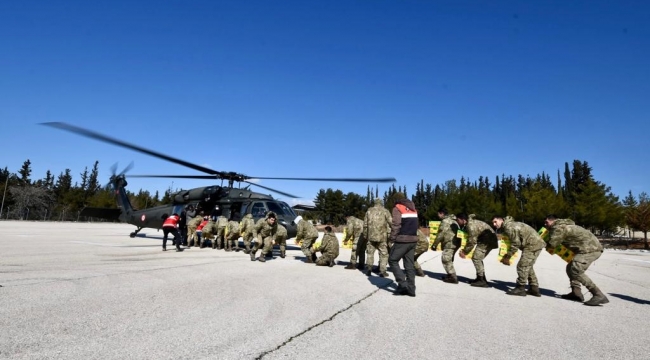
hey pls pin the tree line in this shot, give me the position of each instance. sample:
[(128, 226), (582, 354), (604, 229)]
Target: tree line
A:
[(574, 193)]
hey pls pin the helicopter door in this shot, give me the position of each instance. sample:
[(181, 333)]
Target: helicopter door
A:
[(236, 211), (258, 210)]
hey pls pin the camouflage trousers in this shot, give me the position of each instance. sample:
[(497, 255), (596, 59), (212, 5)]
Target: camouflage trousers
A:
[(191, 234), (220, 241), (525, 271), (358, 250), (266, 244), (232, 241), (306, 246), (326, 259), (480, 252), (380, 246), (282, 243), (577, 267), (448, 252), (248, 238), (418, 251)]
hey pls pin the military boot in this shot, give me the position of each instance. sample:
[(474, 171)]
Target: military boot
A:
[(252, 256), (313, 257), (309, 259), (519, 290), (451, 279), (598, 298), (261, 258), (480, 281), (368, 272), (419, 272), (361, 266), (574, 295), (247, 250), (332, 263), (283, 253), (534, 291), (350, 266)]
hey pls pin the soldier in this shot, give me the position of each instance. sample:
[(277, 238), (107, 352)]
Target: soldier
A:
[(421, 247), (232, 239), (329, 249), (199, 230), (191, 229), (376, 228), (525, 238), (246, 230), (187, 214), (308, 234), (209, 230), (264, 232), (483, 236), (281, 240), (587, 249), (220, 242), (354, 232), (170, 225), (403, 235), (450, 243)]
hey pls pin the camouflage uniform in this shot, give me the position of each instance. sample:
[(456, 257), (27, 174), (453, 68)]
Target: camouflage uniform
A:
[(232, 239), (376, 229), (450, 243), (308, 234), (525, 238), (219, 242), (481, 235), (191, 230), (329, 247), (246, 230), (208, 233), (421, 247), (587, 249), (281, 240), (354, 232), (263, 233)]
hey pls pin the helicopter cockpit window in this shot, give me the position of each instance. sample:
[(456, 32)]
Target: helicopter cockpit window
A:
[(280, 208), (258, 210)]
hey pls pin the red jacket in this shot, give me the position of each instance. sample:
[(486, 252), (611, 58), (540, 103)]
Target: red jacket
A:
[(171, 222)]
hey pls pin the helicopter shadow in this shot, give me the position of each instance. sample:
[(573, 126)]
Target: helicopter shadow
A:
[(631, 298)]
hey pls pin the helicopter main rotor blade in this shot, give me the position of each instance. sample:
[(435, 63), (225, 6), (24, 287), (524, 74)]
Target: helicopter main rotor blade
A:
[(274, 190), (110, 140), (204, 177), (372, 180)]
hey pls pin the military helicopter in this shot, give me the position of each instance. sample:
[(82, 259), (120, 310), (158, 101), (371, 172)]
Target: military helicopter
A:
[(228, 201)]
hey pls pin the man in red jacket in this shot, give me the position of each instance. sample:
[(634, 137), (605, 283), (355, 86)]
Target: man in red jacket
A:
[(170, 225), (404, 237)]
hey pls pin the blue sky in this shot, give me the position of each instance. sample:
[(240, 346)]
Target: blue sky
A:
[(431, 90)]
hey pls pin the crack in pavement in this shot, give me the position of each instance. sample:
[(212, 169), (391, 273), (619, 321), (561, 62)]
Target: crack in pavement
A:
[(260, 356)]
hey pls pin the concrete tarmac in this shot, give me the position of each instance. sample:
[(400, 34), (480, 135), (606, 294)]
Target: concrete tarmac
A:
[(88, 291)]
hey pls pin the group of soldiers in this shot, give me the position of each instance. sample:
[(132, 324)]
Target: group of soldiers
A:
[(372, 235)]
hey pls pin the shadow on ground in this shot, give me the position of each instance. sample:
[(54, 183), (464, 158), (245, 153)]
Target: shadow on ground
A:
[(631, 298)]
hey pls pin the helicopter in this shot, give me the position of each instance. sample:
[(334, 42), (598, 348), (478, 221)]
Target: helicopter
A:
[(229, 201)]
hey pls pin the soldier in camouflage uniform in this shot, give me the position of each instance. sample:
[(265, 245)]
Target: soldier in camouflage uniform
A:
[(220, 242), (354, 233), (329, 247), (264, 233), (232, 239), (450, 243), (376, 229), (421, 247), (525, 238), (308, 234), (281, 240), (587, 249), (208, 233), (481, 235), (246, 230), (191, 229)]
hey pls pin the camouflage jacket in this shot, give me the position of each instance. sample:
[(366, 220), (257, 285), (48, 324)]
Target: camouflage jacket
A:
[(195, 221), (222, 222), (306, 231), (521, 236), (479, 232), (329, 245), (263, 229), (446, 231), (574, 237), (353, 228), (247, 224), (376, 224), (233, 227), (422, 245), (209, 229), (281, 233)]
